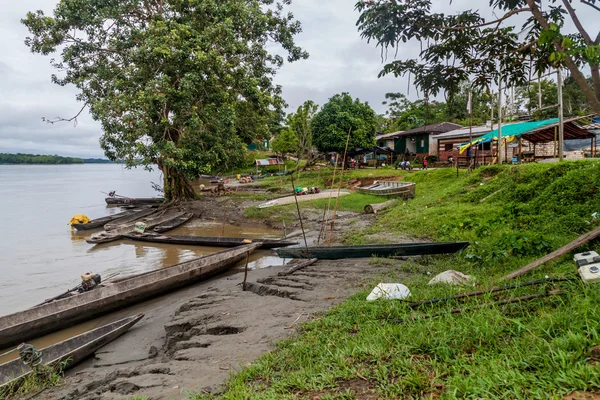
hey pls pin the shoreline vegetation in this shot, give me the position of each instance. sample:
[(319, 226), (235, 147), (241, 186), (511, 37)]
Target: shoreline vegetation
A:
[(386, 350), (41, 159)]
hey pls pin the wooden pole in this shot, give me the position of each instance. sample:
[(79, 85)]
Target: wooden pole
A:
[(583, 239), (326, 212), (299, 215), (499, 148), (561, 120), (337, 200), (245, 272)]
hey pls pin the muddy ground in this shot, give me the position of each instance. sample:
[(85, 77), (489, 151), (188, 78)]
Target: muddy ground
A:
[(192, 340)]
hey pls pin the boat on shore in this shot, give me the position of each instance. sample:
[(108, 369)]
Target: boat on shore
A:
[(209, 241), (174, 223), (165, 218), (124, 201), (389, 188), (69, 352), (129, 218), (374, 250), (60, 314)]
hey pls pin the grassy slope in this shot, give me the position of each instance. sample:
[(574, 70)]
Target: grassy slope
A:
[(532, 350)]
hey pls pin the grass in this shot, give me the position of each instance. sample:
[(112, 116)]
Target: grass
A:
[(530, 350), (48, 377)]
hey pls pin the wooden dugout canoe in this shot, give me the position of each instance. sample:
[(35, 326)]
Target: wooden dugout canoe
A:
[(382, 250), (174, 223), (123, 201), (129, 218), (170, 218), (47, 318), (71, 351), (209, 241), (99, 222)]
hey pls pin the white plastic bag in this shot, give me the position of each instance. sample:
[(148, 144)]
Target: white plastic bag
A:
[(451, 277), (389, 291)]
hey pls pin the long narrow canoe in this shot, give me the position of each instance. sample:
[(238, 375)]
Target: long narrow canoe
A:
[(207, 240), (174, 223), (383, 250), (99, 222), (70, 351), (129, 218), (172, 218), (47, 318), (121, 201)]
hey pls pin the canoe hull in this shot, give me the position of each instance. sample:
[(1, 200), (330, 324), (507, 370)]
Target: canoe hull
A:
[(47, 318), (122, 201), (208, 241), (71, 351), (167, 226), (99, 222), (390, 250)]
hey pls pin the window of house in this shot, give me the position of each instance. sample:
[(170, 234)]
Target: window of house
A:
[(448, 147), (422, 142)]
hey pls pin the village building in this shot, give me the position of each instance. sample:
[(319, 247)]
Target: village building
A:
[(421, 141)]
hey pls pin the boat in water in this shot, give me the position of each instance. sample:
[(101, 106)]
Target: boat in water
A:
[(210, 241), (167, 219), (60, 314), (389, 188), (68, 352), (372, 250), (125, 201)]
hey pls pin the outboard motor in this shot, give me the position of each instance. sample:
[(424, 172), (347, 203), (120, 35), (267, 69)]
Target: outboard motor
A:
[(89, 281)]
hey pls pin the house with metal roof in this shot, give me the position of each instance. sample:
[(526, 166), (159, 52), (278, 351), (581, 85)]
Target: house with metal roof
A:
[(421, 141)]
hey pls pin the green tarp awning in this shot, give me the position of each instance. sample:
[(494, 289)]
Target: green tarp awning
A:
[(509, 132)]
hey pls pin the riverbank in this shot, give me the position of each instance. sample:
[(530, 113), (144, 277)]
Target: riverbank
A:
[(193, 340), (539, 349)]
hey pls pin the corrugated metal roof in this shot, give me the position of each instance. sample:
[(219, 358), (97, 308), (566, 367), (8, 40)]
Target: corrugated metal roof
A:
[(442, 127)]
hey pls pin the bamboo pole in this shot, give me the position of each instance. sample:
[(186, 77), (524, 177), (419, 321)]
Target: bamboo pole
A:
[(326, 211), (499, 147), (299, 215), (561, 120), (337, 200), (583, 239)]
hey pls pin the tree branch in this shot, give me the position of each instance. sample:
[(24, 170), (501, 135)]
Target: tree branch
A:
[(481, 25), (580, 28), (60, 119), (577, 75), (587, 3)]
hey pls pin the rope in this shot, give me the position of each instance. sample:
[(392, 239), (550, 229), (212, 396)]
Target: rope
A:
[(7, 353), (29, 355)]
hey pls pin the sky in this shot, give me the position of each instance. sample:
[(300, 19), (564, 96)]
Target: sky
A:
[(340, 61)]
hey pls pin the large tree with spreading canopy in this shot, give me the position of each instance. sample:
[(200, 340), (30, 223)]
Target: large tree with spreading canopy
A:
[(468, 47), (183, 84)]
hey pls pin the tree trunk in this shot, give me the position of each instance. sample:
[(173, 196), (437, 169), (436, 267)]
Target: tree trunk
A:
[(577, 75), (596, 80), (177, 186)]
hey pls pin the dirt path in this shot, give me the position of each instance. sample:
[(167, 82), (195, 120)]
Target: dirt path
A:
[(210, 330)]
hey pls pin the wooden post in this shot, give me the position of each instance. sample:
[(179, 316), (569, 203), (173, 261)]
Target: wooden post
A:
[(499, 155), (561, 120), (298, 208), (583, 239), (245, 272)]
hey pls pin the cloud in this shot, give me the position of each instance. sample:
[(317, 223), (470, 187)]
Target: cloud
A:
[(340, 61)]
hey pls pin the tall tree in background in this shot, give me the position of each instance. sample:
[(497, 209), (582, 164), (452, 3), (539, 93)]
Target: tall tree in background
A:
[(296, 137), (181, 83), (466, 47), (343, 114)]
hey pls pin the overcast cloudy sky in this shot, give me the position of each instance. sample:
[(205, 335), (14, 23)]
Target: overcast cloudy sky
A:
[(340, 61)]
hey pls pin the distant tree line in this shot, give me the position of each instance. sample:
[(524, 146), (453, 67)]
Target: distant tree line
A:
[(21, 158)]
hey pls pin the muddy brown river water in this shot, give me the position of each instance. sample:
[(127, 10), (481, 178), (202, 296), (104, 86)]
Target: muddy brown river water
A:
[(40, 256)]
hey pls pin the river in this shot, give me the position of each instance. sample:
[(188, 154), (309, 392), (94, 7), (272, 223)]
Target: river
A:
[(41, 257)]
